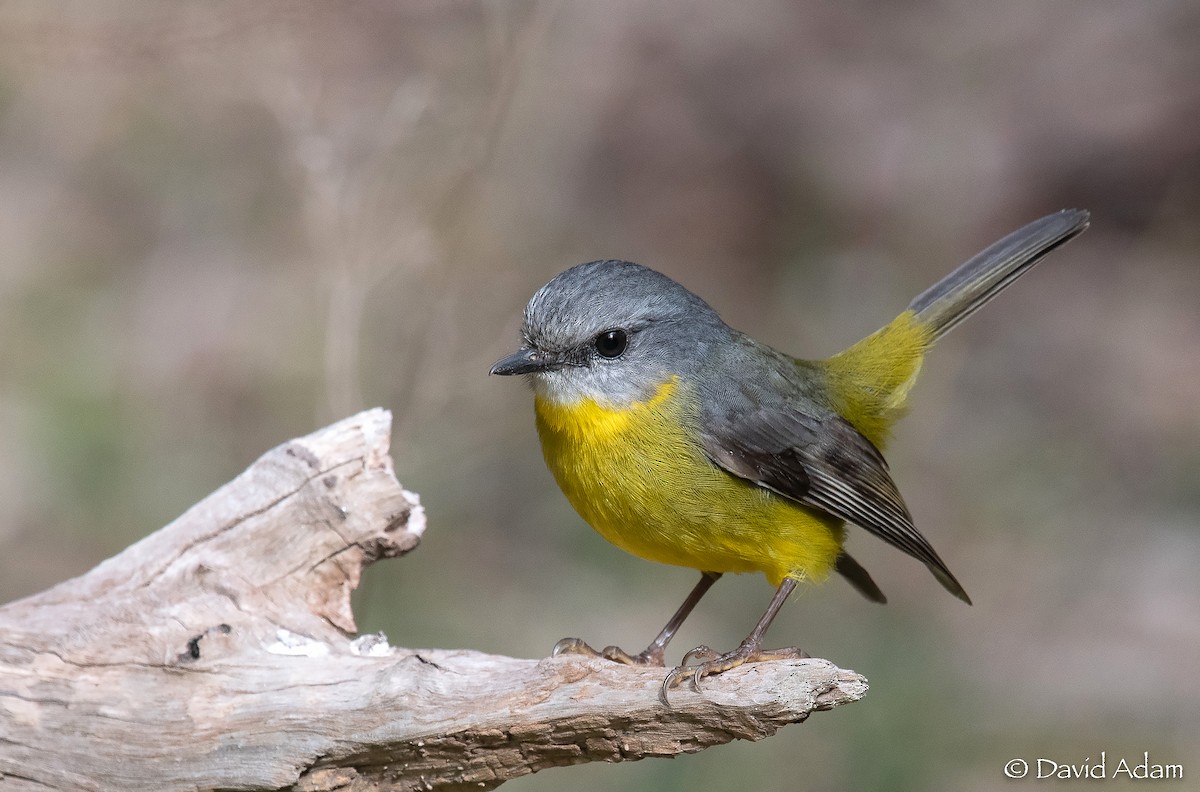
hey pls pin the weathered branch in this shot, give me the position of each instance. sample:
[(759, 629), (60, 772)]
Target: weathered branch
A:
[(219, 653)]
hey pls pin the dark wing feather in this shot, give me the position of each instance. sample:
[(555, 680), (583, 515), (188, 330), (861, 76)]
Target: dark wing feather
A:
[(860, 578), (825, 463)]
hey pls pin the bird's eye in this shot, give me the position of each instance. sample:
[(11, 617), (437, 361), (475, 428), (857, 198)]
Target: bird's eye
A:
[(611, 343)]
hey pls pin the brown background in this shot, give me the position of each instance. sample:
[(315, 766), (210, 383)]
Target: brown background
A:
[(222, 225)]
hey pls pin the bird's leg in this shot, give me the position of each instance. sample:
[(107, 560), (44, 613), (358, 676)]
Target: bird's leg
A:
[(750, 650), (652, 654)]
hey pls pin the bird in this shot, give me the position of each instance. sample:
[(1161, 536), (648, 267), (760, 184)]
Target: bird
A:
[(684, 441)]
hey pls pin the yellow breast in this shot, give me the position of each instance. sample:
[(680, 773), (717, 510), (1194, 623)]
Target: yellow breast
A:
[(639, 477)]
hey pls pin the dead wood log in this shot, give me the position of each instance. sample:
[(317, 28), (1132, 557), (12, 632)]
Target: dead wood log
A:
[(221, 653)]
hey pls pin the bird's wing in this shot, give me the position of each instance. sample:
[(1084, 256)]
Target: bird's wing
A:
[(822, 462)]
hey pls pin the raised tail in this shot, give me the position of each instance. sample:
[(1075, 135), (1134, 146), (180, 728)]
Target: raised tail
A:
[(965, 290), (869, 382)]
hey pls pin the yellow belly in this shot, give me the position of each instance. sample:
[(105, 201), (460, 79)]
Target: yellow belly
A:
[(635, 476)]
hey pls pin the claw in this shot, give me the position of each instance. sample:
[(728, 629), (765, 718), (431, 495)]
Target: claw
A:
[(712, 663), (649, 657), (573, 646), (652, 656), (701, 653), (671, 680)]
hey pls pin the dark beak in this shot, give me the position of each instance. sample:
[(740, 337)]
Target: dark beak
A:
[(523, 361)]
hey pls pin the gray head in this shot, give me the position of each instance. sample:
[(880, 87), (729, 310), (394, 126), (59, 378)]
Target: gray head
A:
[(611, 331)]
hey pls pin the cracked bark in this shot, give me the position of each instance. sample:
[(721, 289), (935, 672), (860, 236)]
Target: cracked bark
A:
[(220, 653)]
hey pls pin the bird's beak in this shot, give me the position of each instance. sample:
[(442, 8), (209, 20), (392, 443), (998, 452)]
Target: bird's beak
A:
[(523, 361)]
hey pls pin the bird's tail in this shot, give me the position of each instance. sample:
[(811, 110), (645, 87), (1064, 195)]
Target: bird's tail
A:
[(870, 381), (965, 290)]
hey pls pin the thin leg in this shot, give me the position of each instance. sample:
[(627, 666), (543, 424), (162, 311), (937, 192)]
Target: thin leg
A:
[(748, 651), (652, 654)]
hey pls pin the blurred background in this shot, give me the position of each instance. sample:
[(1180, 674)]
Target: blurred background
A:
[(225, 225)]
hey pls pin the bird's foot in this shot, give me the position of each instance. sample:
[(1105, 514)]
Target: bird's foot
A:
[(651, 656), (702, 662)]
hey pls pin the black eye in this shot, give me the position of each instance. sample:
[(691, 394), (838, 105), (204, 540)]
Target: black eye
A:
[(611, 343)]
